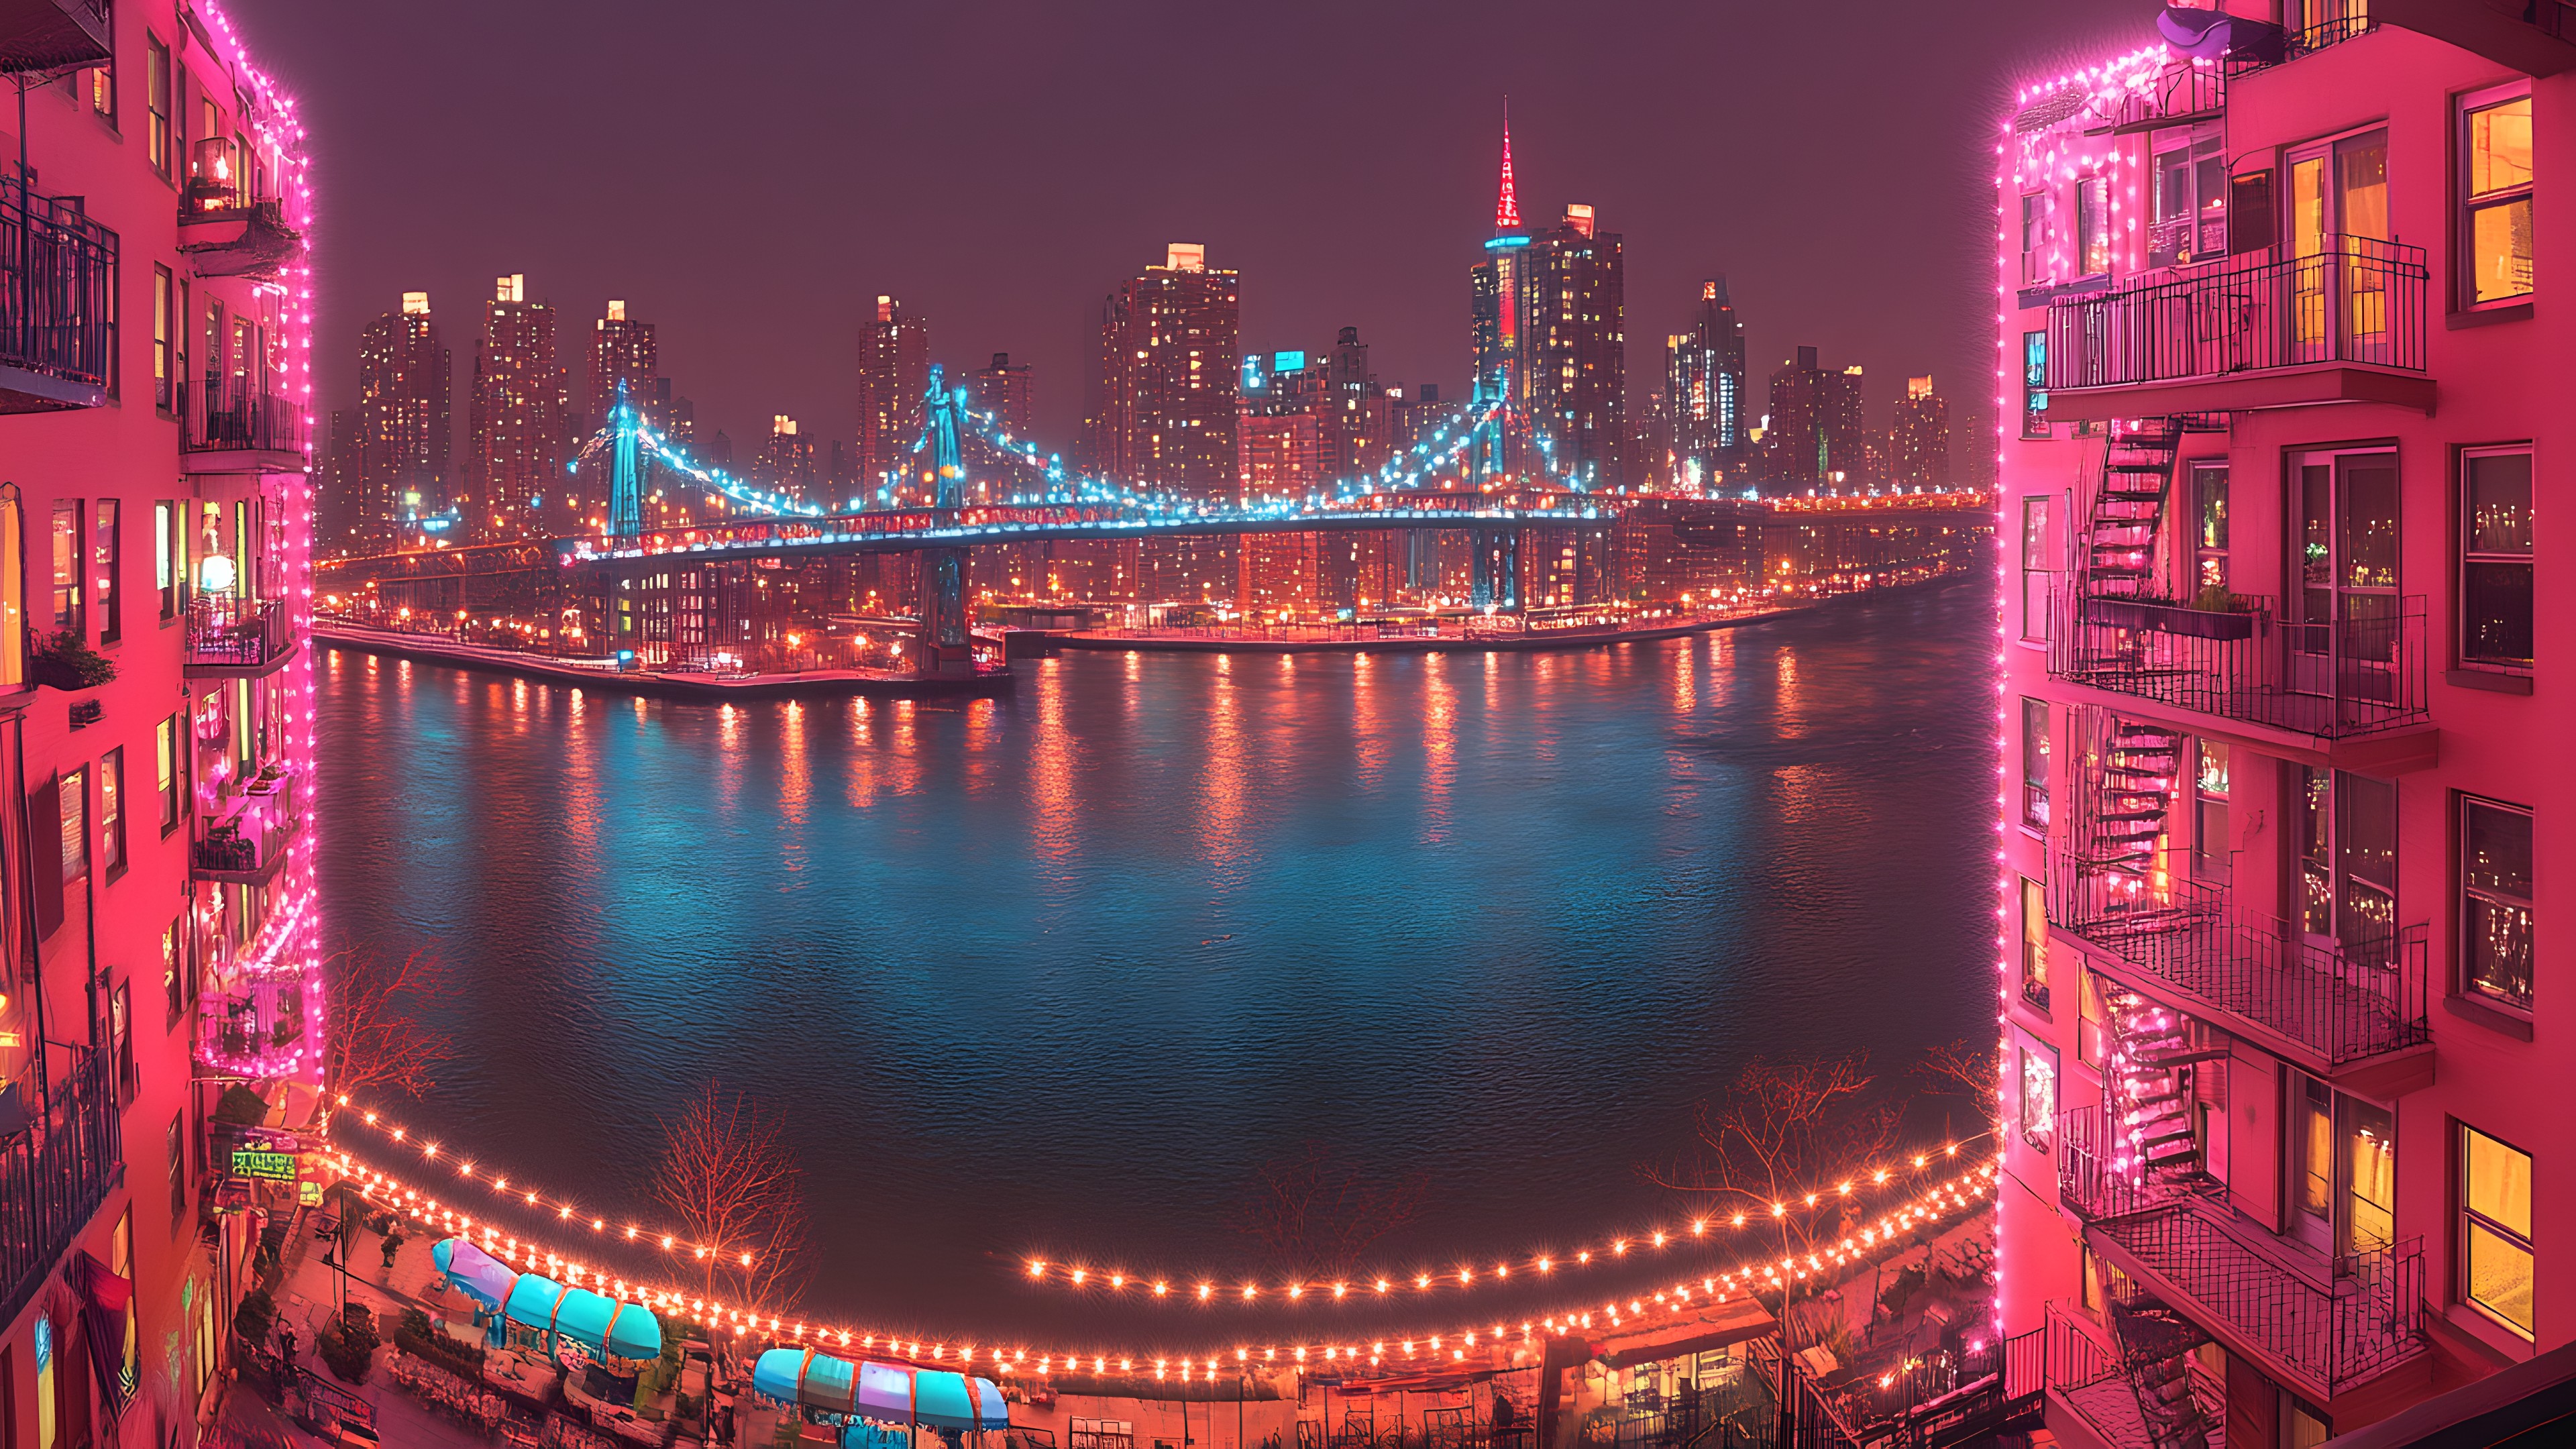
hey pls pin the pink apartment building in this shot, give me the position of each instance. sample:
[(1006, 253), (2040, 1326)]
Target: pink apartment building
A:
[(156, 933), (2288, 1096)]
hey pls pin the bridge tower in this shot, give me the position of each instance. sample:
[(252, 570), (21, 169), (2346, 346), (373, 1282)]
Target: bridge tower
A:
[(946, 639), (625, 480), (1495, 585)]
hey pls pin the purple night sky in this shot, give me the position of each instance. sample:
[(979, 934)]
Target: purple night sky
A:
[(750, 176)]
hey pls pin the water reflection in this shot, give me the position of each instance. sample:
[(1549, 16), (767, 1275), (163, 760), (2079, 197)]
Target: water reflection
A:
[(1056, 971)]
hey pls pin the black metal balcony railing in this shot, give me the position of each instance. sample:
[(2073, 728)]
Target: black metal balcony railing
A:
[(232, 633), (224, 416), (54, 1175), (56, 268), (2357, 300), (2335, 1330), (52, 35), (2342, 1002), (2357, 675), (2088, 1375)]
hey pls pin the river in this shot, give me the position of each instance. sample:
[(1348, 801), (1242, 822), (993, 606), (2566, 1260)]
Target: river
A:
[(1055, 973)]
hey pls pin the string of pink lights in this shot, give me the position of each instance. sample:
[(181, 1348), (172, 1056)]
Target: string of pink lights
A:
[(1892, 1232)]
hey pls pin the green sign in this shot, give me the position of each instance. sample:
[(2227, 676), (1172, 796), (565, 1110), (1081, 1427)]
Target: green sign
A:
[(267, 1166)]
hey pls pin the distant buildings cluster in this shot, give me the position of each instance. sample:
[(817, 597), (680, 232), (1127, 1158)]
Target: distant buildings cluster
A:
[(1179, 405)]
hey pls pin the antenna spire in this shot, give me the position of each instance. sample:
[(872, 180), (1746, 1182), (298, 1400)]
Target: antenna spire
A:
[(1507, 206)]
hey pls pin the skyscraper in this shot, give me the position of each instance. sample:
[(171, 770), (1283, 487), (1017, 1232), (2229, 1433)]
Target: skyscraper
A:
[(1547, 324), (1920, 442), (787, 459), (1168, 384), (622, 351), (1815, 422), (1003, 390), (894, 372), (405, 428), (1362, 416), (519, 415), (1704, 388)]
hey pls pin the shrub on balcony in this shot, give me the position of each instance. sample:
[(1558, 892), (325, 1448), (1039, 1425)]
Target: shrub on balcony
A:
[(66, 661)]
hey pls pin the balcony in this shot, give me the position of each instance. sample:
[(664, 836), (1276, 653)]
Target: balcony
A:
[(2320, 1332), (230, 638), (2535, 37), (57, 319), (2086, 1380), (45, 35), (2351, 1012), (2345, 324), (228, 428), (2351, 692), (55, 1171), (248, 844), (226, 229), (255, 1030)]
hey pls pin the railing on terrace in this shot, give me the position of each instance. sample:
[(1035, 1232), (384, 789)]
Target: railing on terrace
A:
[(2096, 1175), (228, 416), (2359, 1319), (2184, 90), (56, 268), (2356, 300), (257, 1029), (2343, 1001), (54, 1174), (254, 837), (2353, 676), (229, 632)]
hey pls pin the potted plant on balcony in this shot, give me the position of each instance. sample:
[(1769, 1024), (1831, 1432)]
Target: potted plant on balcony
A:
[(2214, 614), (65, 661)]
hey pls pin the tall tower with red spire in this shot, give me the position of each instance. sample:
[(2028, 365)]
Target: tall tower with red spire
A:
[(1507, 205), (1494, 308)]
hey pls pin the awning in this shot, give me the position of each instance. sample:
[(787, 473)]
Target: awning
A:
[(475, 1273), (602, 1325), (888, 1392), (104, 1316)]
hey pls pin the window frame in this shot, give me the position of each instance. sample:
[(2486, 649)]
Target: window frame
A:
[(2462, 894), (2038, 530), (170, 766), (2031, 899), (2036, 784), (165, 372), (2465, 204), (111, 813), (2042, 1137), (2467, 1221), (2212, 478), (160, 86), (107, 559), (2464, 528), (2034, 385)]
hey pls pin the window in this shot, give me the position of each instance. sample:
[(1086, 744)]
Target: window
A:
[(2495, 559), (120, 1036), (2495, 219), (2209, 538), (102, 80), (2348, 862), (2191, 204), (157, 146), (178, 1169), (2038, 580), (107, 555), (75, 826), (2347, 1178), (174, 985), (2495, 901), (169, 552), (165, 765), (2093, 225), (2034, 763), (2092, 1018), (2034, 238), (2034, 944), (2495, 1229), (13, 596), (111, 811), (67, 566), (164, 322), (2034, 384), (2038, 1097), (2210, 841)]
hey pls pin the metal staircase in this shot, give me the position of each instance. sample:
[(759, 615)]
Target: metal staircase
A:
[(2119, 544), (2154, 1344)]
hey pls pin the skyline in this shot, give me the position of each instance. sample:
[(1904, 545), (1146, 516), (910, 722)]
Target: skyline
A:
[(959, 246)]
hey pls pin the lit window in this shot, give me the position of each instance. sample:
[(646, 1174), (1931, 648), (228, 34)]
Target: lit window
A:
[(2034, 763), (2038, 1097), (2495, 1229), (2495, 224), (2034, 944)]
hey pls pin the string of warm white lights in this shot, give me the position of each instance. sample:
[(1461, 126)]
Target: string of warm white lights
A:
[(1936, 1204), (1366, 1287)]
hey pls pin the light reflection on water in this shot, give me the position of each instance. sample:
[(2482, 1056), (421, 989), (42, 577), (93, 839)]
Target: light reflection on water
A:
[(1055, 972)]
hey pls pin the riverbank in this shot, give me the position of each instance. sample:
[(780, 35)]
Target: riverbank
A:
[(869, 683)]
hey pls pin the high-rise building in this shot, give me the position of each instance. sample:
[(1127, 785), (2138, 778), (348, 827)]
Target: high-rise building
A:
[(894, 376), (1362, 429), (405, 428), (519, 425), (1815, 431), (2283, 1137), (1547, 325), (1003, 390), (787, 459), (1919, 443), (622, 352), (1168, 380), (1704, 389), (162, 939)]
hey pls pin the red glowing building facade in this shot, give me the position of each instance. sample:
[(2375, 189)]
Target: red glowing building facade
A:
[(2278, 1068), (159, 934)]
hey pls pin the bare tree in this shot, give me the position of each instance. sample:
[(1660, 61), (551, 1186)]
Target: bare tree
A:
[(1316, 1215), (1788, 1127), (728, 1173), (375, 1043), (1962, 1068)]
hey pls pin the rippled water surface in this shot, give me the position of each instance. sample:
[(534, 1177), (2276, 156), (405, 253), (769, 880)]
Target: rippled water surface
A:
[(1056, 972)]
